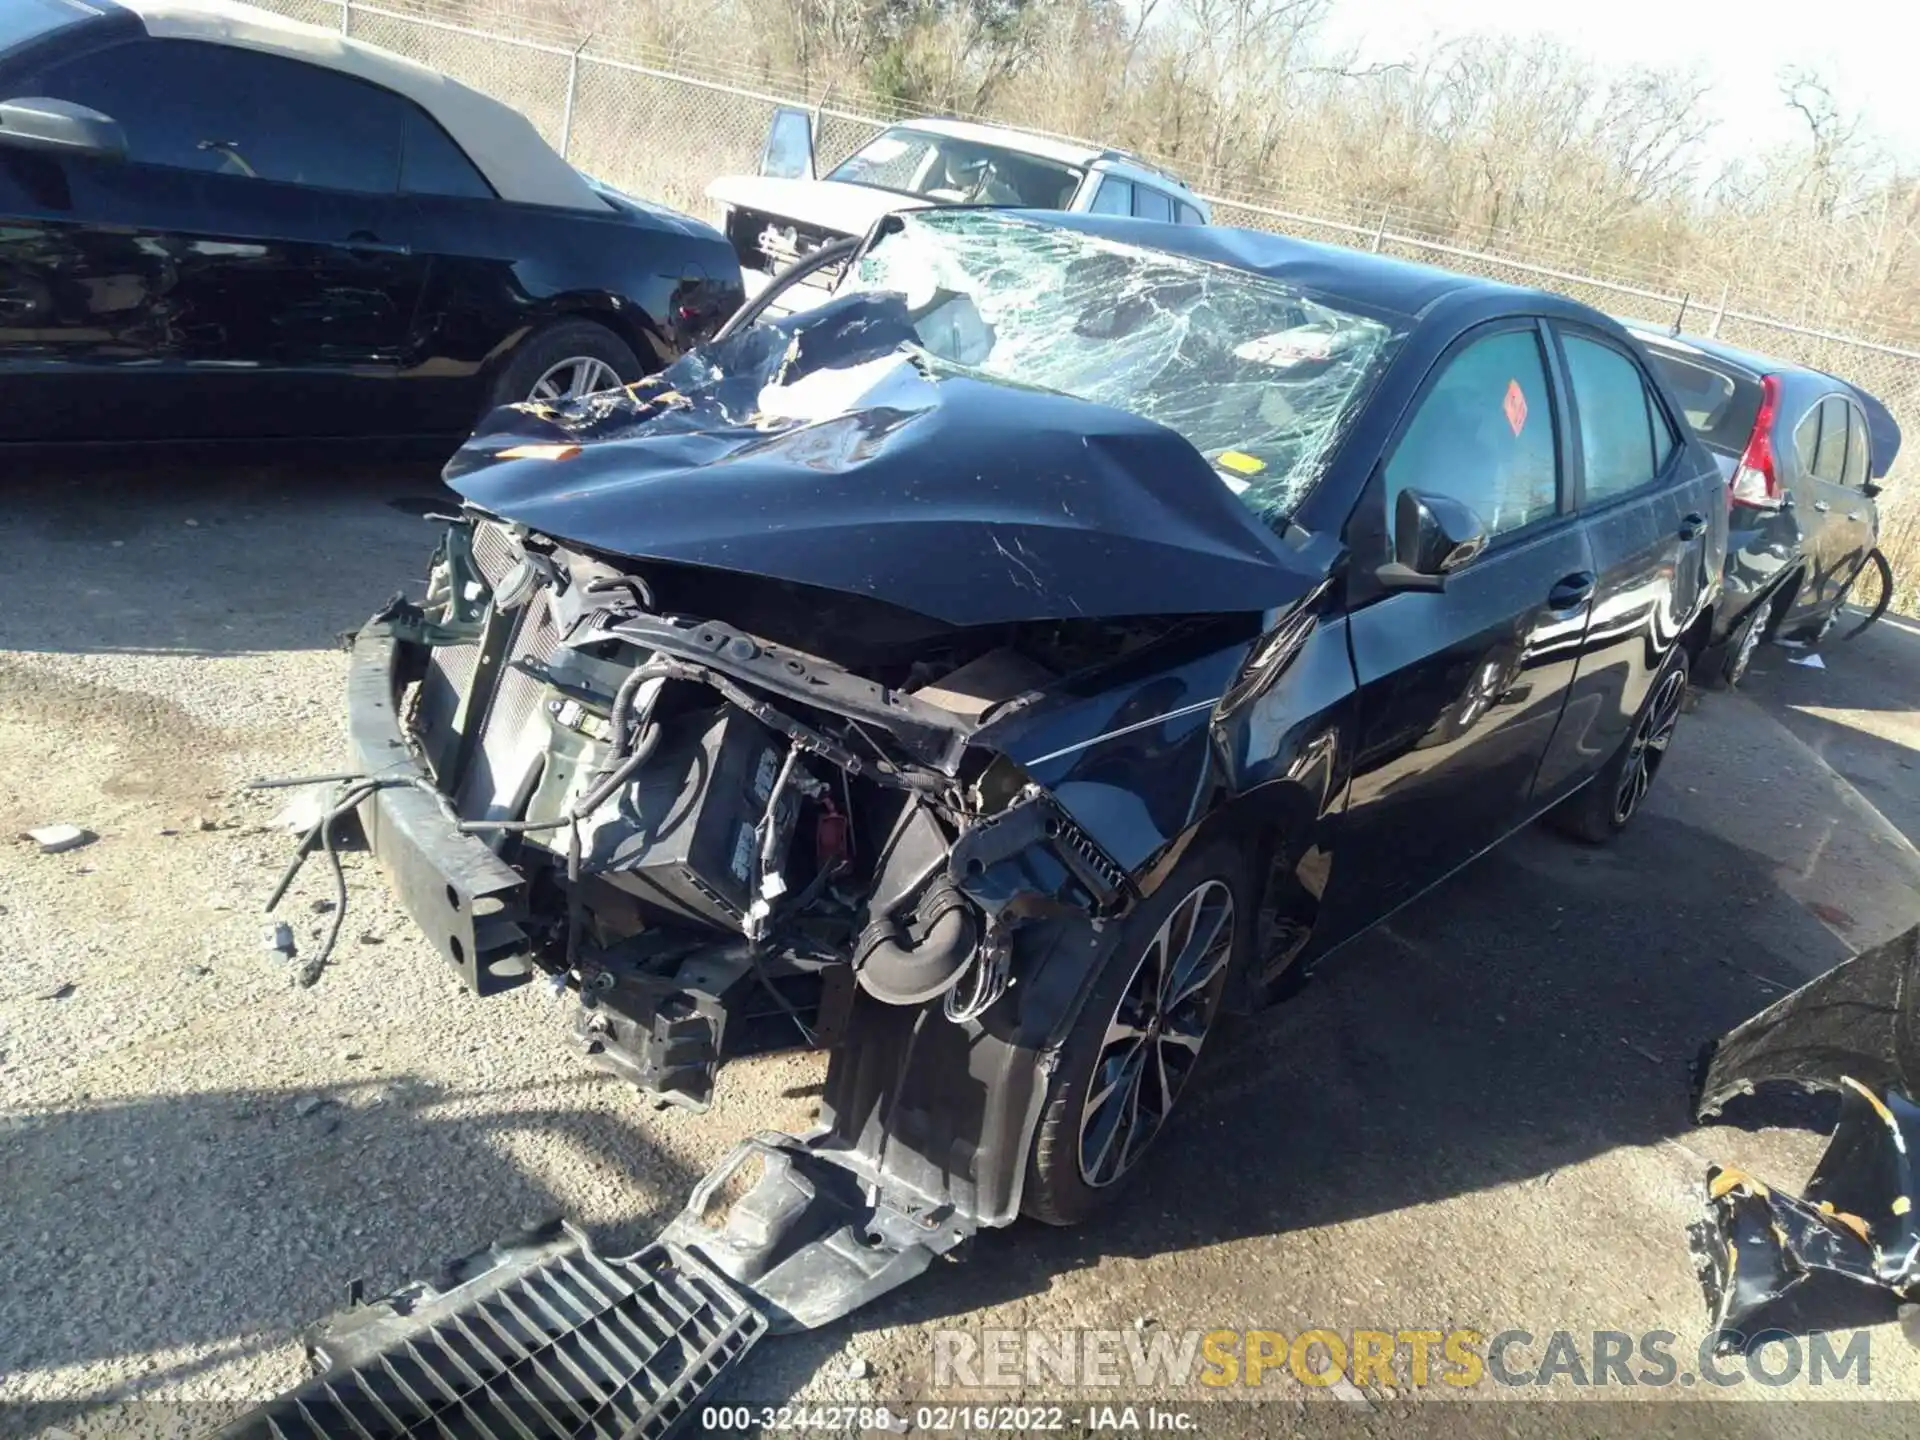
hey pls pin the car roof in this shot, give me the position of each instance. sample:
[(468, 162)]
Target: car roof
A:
[(1376, 281), (1882, 429), (1751, 361), (500, 141), (1051, 147), (1047, 147)]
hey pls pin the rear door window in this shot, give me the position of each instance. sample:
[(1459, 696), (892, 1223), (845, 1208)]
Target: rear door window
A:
[(188, 105), (1114, 197), (1625, 438), (1152, 204), (1190, 214), (1483, 435), (1858, 452), (1830, 452)]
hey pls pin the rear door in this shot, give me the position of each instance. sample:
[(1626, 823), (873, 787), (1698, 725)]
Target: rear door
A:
[(239, 274), (1460, 690), (1650, 521), (1861, 515), (1841, 525)]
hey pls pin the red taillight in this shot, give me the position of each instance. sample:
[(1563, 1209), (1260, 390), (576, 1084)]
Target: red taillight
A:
[(1756, 482)]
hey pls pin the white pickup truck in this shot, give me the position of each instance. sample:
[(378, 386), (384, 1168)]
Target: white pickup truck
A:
[(785, 212)]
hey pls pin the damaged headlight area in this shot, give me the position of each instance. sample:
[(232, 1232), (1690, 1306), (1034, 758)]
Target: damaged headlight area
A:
[(722, 838)]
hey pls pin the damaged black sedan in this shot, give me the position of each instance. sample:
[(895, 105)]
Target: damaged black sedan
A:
[(1075, 628)]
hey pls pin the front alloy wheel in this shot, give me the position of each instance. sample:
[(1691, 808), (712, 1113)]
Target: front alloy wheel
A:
[(1153, 1038), (1649, 745)]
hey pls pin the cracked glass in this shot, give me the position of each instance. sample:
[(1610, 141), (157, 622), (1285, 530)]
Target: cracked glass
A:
[(1260, 377)]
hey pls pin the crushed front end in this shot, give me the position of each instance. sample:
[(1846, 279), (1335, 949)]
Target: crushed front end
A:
[(717, 837), (721, 845)]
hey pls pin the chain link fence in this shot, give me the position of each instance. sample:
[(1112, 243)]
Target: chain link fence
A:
[(664, 134)]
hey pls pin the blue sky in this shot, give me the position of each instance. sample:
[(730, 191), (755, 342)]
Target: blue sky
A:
[(1868, 49)]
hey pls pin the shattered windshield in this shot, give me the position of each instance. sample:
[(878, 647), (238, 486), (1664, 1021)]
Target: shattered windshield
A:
[(958, 172), (1261, 379)]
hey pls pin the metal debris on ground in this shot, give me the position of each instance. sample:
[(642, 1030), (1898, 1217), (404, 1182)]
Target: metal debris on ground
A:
[(1846, 1251), (1812, 662), (53, 839), (278, 937)]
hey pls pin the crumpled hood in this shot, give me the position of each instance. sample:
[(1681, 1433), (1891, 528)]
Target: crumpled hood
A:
[(827, 451), (824, 204)]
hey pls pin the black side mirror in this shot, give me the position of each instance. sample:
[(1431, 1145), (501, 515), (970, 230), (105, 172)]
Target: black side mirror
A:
[(1433, 536), (59, 127), (1871, 489), (788, 153)]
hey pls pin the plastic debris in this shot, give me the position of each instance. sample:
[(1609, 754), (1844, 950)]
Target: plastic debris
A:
[(1846, 1251), (53, 839), (1812, 662), (278, 937)]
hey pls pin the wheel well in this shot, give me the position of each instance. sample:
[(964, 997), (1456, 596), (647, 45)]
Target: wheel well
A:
[(1694, 641), (1781, 597), (1274, 828), (630, 323)]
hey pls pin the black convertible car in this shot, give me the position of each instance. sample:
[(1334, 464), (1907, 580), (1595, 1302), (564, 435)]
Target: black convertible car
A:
[(1075, 627), (216, 223)]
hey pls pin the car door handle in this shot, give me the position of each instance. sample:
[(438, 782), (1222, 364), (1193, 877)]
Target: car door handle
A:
[(1691, 526), (1572, 592), (367, 241)]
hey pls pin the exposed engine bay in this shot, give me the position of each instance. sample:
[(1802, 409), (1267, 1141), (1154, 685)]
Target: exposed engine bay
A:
[(723, 834)]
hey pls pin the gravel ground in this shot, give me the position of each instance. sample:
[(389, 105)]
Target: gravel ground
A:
[(1477, 1117)]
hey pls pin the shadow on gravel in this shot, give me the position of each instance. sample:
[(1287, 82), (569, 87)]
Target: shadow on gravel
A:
[(205, 554), (233, 1219), (1876, 676)]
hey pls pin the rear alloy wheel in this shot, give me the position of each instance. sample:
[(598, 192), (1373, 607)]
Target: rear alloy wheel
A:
[(1601, 808), (1740, 654), (1649, 746), (564, 362), (1138, 1037), (573, 377)]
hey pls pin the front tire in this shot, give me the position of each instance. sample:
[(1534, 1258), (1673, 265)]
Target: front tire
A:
[(1137, 1040), (1604, 806)]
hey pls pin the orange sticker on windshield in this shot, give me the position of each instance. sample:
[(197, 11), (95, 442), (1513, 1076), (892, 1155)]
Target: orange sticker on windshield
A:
[(1516, 406)]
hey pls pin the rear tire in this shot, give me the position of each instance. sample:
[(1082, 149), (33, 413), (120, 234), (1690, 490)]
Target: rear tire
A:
[(565, 355), (1604, 806), (1138, 1037), (1728, 666)]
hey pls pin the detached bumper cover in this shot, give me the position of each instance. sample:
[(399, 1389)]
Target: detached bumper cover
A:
[(465, 899)]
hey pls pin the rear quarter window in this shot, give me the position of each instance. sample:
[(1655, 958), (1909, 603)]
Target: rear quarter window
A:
[(1719, 403)]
